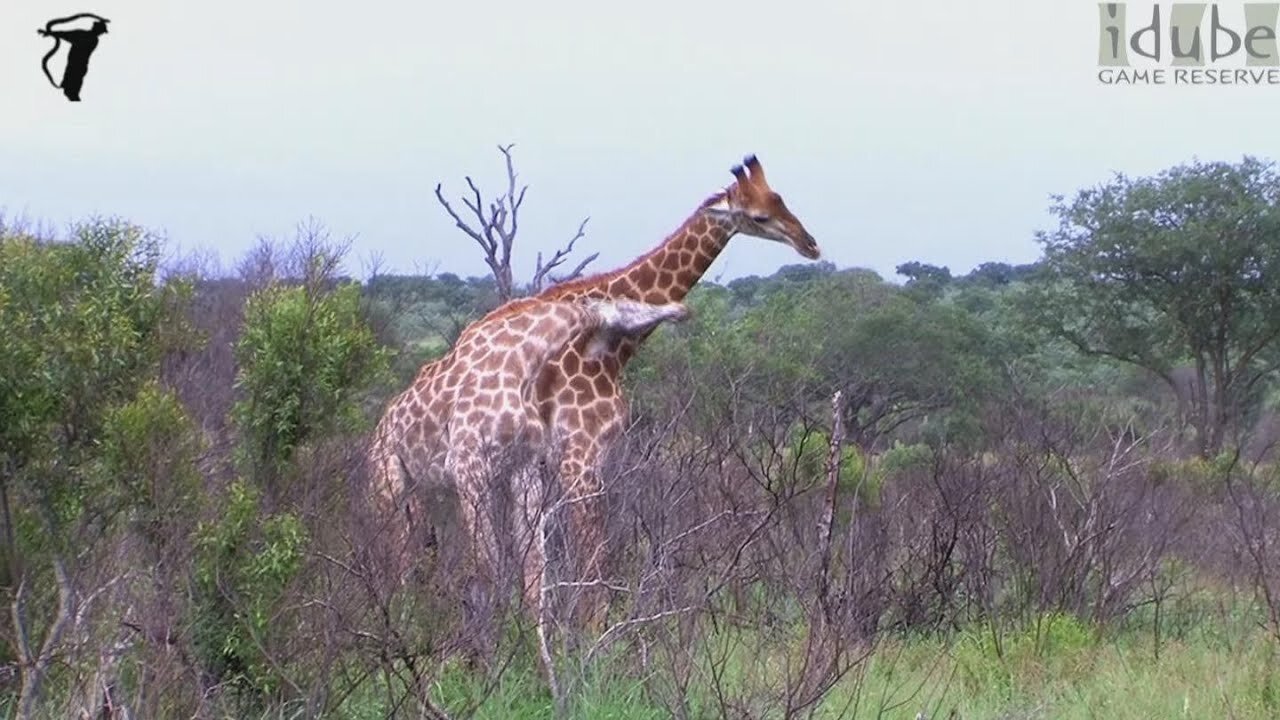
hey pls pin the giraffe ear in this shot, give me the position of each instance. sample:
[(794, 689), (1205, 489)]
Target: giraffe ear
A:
[(757, 172)]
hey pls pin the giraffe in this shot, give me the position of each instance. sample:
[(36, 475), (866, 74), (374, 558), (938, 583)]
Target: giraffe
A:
[(578, 392), (475, 405)]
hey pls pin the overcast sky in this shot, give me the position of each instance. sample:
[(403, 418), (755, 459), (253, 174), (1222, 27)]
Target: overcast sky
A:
[(896, 131)]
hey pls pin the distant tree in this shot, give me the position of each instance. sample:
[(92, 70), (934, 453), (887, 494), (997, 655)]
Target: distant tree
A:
[(916, 271), (996, 274), (925, 280), (494, 230), (745, 289), (1182, 268), (802, 272), (895, 359)]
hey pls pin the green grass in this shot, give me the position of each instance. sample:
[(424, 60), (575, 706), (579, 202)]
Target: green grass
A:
[(1056, 668), (1075, 675), (1214, 660)]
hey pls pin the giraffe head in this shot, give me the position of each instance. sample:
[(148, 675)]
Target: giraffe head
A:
[(756, 210)]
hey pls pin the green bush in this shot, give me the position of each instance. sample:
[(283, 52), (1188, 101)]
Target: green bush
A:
[(244, 564), (305, 356)]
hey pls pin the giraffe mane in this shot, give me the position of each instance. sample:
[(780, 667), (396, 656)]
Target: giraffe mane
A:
[(511, 307), (713, 199)]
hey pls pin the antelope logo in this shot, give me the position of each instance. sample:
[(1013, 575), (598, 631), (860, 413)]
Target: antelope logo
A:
[(82, 42)]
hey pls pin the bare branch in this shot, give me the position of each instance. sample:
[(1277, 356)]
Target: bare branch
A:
[(622, 625), (496, 226), (35, 668), (542, 271), (833, 486)]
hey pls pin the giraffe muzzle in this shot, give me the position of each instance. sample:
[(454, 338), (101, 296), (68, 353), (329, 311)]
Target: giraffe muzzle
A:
[(808, 248)]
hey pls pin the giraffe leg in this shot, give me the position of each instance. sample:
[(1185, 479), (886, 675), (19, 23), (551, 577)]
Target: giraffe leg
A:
[(393, 502), (473, 480), (528, 518), (586, 538), (531, 516)]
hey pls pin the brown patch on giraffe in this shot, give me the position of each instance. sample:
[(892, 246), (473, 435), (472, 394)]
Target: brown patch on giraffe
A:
[(548, 384), (619, 288), (520, 323), (644, 276), (506, 426), (506, 338), (613, 363), (604, 385), (512, 364), (570, 363), (687, 277), (545, 326), (580, 384), (591, 418)]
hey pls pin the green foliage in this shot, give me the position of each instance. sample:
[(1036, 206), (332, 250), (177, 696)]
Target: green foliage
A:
[(82, 327), (895, 357), (245, 561), (149, 452), (426, 314), (1179, 268), (805, 462), (898, 358), (988, 658), (305, 355), (83, 323), (925, 281), (705, 354), (904, 458), (1054, 668)]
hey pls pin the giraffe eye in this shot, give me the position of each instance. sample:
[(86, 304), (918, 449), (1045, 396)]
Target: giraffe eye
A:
[(760, 218)]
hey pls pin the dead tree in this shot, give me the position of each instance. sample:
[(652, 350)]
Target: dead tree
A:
[(494, 230)]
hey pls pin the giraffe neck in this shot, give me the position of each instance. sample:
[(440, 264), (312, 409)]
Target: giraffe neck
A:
[(669, 271), (665, 274)]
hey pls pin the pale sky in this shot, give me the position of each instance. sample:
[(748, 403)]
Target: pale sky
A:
[(896, 131)]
